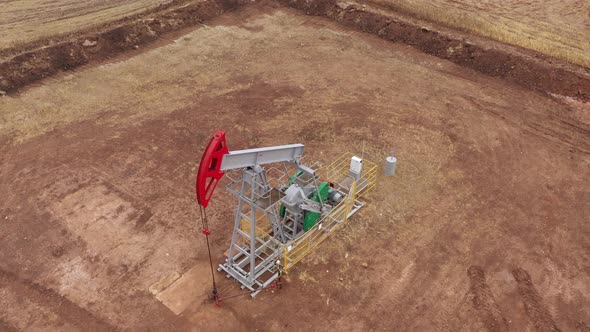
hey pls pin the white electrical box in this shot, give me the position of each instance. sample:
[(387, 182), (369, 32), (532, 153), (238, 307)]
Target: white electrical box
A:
[(356, 167)]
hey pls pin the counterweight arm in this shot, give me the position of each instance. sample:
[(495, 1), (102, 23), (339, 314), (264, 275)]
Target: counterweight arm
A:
[(217, 159), (262, 156)]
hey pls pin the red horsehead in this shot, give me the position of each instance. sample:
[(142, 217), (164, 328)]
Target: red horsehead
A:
[(209, 172)]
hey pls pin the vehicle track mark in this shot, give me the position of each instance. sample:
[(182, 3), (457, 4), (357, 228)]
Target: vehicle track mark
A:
[(484, 301), (533, 303), (57, 303)]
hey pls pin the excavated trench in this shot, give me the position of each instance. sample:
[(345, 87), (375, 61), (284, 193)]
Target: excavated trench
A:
[(522, 67), (528, 69), (41, 59)]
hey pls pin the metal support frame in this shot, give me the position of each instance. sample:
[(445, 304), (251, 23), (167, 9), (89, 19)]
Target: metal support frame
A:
[(252, 255)]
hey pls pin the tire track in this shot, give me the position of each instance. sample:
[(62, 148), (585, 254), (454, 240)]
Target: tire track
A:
[(533, 303), (64, 308), (484, 301)]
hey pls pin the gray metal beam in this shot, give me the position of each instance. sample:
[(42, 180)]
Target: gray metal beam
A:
[(261, 156)]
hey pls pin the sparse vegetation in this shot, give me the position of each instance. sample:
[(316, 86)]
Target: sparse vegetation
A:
[(565, 41), (23, 22)]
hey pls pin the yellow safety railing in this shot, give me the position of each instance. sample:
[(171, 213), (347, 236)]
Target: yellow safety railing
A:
[(263, 227), (296, 250), (337, 173)]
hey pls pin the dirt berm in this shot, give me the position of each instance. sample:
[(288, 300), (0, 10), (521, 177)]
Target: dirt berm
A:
[(523, 67), (30, 63)]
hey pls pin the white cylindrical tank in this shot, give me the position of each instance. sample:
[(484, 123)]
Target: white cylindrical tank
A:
[(390, 165)]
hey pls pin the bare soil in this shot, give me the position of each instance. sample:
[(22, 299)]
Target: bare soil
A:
[(484, 226)]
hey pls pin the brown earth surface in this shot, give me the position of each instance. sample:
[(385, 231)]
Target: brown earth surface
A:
[(484, 226)]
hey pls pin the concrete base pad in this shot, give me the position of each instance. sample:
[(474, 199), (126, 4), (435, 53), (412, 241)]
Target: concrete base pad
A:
[(192, 287)]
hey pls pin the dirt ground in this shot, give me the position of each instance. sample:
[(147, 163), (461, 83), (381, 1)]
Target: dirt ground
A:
[(27, 21), (484, 226), (559, 28)]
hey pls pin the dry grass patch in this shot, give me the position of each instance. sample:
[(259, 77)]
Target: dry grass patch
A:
[(555, 36)]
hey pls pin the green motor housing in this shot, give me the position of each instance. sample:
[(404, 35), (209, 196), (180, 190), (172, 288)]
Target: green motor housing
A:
[(311, 218)]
